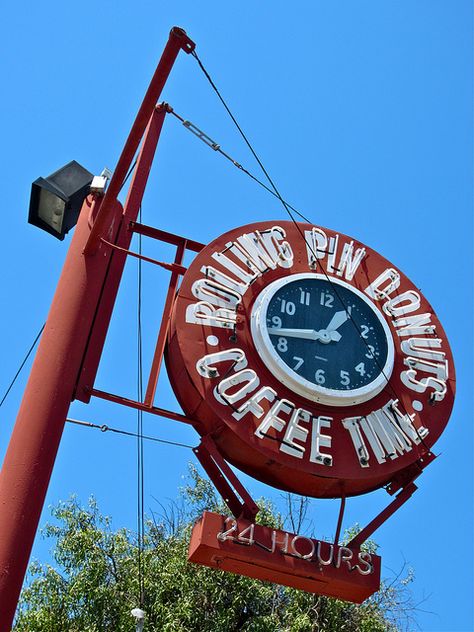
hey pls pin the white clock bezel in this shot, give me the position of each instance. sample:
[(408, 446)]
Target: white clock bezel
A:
[(288, 377)]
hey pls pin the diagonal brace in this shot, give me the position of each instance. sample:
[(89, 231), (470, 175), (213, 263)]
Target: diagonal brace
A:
[(227, 484), (400, 499)]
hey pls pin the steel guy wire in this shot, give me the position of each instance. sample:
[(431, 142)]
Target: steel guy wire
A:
[(106, 428), (25, 359), (287, 209), (140, 451)]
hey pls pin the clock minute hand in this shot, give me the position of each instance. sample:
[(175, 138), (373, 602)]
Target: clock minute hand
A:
[(322, 335), (308, 334)]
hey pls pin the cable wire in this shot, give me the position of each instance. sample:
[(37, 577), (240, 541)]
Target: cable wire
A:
[(140, 451), (105, 428), (287, 209), (25, 359)]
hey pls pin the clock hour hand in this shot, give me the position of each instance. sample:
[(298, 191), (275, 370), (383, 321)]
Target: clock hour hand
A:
[(336, 321)]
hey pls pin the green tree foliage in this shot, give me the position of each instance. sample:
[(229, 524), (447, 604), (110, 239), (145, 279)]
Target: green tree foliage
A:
[(93, 584)]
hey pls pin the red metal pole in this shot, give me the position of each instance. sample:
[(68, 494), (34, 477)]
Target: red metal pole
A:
[(178, 40), (33, 446)]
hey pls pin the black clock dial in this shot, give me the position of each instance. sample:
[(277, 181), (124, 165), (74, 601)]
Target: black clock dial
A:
[(326, 334)]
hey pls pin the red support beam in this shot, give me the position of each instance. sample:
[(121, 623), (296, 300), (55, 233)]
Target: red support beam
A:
[(384, 515), (178, 40), (34, 443), (163, 333), (226, 482), (162, 235), (131, 403), (111, 284)]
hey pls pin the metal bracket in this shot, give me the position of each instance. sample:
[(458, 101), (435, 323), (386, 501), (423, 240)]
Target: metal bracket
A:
[(228, 485), (405, 483), (402, 497)]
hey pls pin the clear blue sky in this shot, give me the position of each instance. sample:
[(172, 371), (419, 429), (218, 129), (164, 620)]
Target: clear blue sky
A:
[(360, 110)]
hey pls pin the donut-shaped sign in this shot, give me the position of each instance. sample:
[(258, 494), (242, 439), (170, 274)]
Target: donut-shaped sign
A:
[(314, 364)]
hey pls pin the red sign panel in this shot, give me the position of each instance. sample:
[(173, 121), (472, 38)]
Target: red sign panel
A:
[(273, 555), (315, 364)]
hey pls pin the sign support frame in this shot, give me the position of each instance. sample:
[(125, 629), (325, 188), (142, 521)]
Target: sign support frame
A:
[(51, 386)]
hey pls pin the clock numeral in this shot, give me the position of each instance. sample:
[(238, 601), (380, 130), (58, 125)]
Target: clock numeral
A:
[(320, 376), (360, 368), (288, 307), (326, 299), (370, 352), (345, 379), (305, 297), (276, 320), (299, 363), (282, 345), (364, 330)]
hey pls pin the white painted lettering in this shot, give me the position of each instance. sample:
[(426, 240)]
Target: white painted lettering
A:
[(215, 293), (417, 347), (204, 365), (409, 379), (272, 419), (247, 377), (349, 261), (296, 432), (204, 313), (402, 304), (352, 425), (384, 284), (252, 405), (320, 440), (414, 325)]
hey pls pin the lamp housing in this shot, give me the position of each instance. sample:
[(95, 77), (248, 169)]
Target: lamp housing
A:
[(56, 201)]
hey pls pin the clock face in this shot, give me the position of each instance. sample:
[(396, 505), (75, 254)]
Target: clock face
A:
[(323, 338)]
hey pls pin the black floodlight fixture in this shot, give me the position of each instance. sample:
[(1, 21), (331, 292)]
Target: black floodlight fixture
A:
[(56, 201)]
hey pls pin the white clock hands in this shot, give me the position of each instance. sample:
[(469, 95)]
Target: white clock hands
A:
[(323, 335), (337, 320)]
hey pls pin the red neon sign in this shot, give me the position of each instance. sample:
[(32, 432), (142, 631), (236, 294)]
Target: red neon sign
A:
[(314, 364), (242, 547)]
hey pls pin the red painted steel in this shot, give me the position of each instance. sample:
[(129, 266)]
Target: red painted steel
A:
[(275, 556), (134, 198), (171, 267), (164, 328), (32, 450), (131, 403), (162, 235), (35, 439), (384, 515), (178, 40), (340, 519), (228, 485)]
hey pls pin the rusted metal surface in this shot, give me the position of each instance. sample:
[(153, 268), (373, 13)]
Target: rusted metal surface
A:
[(284, 558)]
